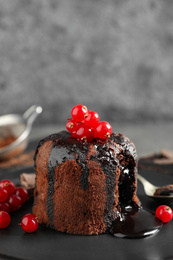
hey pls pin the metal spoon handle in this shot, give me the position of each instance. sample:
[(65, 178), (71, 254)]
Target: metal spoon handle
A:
[(31, 114), (148, 187)]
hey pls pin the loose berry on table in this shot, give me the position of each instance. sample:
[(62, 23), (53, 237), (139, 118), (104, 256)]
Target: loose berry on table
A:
[(8, 186), (29, 223), (14, 202), (22, 193), (164, 213), (5, 219), (3, 195), (4, 206)]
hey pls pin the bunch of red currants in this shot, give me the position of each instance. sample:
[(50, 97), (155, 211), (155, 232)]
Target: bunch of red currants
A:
[(85, 125), (11, 199)]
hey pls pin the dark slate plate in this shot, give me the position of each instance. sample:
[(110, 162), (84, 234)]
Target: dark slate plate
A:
[(49, 244)]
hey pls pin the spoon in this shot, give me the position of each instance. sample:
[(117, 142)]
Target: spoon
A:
[(20, 127), (150, 190)]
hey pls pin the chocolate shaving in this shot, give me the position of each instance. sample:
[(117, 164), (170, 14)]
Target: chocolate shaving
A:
[(27, 180), (164, 157)]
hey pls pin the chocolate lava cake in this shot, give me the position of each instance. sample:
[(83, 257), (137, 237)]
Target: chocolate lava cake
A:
[(82, 187)]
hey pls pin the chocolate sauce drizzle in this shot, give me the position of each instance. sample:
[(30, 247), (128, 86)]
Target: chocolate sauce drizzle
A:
[(106, 156), (127, 160), (81, 161)]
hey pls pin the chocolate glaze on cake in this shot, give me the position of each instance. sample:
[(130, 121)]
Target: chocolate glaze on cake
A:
[(81, 188)]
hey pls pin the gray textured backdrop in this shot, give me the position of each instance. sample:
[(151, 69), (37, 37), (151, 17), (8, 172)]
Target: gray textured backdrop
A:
[(114, 56)]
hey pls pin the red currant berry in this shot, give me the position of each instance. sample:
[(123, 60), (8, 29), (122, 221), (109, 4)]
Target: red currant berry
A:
[(3, 195), (8, 186), (14, 202), (103, 130), (85, 133), (164, 213), (92, 119), (73, 134), (72, 125), (4, 206), (29, 223), (22, 193), (79, 112), (5, 219)]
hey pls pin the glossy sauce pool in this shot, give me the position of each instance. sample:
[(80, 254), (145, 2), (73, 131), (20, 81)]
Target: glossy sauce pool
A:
[(136, 225)]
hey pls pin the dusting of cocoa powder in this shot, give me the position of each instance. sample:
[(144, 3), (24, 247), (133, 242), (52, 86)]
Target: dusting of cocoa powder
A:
[(24, 159), (7, 140)]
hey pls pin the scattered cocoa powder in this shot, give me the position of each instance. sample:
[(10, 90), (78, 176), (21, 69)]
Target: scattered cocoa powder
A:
[(7, 140), (24, 159)]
